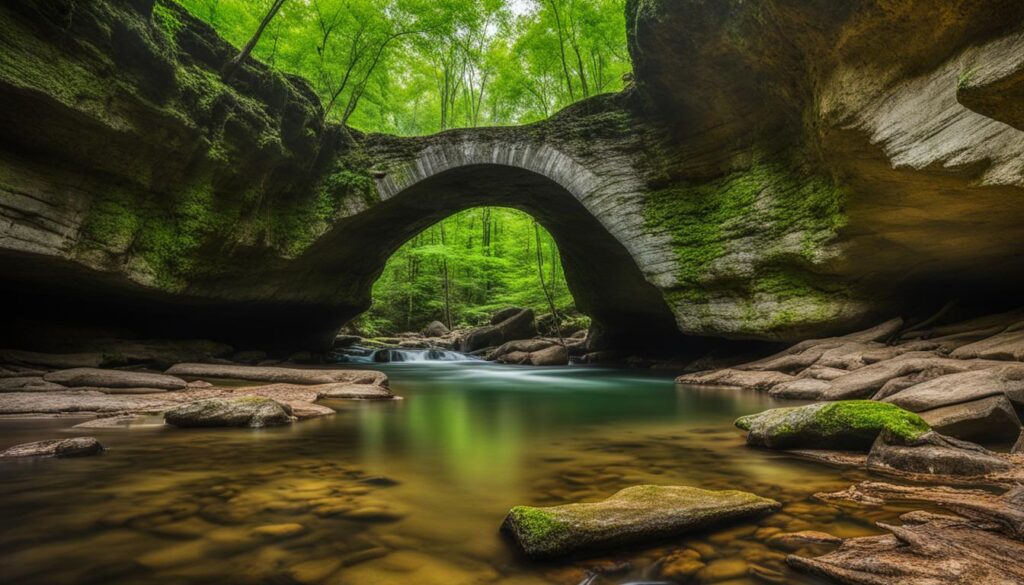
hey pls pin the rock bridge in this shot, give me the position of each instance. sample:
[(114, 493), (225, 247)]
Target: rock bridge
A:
[(750, 184)]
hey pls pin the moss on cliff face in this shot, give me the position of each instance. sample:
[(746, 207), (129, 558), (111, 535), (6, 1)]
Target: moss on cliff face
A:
[(756, 235)]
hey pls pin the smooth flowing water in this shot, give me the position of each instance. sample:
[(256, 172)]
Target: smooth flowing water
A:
[(406, 492)]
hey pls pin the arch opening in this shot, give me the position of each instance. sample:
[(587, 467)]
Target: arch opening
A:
[(603, 278), (468, 266)]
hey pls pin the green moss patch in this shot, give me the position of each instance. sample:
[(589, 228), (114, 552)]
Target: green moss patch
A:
[(778, 211), (848, 424), (536, 525)]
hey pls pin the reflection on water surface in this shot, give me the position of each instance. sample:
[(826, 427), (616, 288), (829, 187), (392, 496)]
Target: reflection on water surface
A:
[(411, 491)]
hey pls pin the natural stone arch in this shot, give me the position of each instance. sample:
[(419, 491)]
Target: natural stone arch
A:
[(568, 199)]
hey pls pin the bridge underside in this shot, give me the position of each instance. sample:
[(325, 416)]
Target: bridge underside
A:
[(627, 310)]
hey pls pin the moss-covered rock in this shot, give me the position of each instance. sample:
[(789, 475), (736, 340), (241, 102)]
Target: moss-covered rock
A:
[(846, 425), (244, 411), (632, 515)]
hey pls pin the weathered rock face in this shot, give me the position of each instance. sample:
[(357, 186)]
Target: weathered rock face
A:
[(76, 447), (632, 515), (776, 173), (847, 425), (247, 411), (933, 454)]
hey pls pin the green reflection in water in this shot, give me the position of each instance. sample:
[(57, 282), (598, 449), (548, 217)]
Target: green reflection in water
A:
[(411, 491)]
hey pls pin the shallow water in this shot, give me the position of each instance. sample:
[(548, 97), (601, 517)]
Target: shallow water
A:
[(410, 491)]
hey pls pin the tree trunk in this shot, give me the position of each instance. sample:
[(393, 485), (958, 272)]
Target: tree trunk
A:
[(544, 286), (233, 64)]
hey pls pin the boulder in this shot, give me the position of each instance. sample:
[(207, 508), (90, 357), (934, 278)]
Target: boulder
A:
[(514, 357), (76, 447), (961, 387), (505, 313), (846, 425), (480, 338), (518, 326), (751, 380), (556, 355), (1004, 346), (990, 419), (1018, 447), (522, 345), (933, 454), (801, 389), (808, 352), (866, 381), (343, 390), (632, 515), (343, 341), (114, 379), (435, 329), (244, 411), (272, 374)]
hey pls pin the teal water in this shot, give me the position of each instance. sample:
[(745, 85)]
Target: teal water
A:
[(411, 491)]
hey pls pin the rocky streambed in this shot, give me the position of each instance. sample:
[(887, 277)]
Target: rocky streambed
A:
[(621, 507)]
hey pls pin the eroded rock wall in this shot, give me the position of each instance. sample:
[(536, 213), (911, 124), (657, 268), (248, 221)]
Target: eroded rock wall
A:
[(832, 160), (780, 169)]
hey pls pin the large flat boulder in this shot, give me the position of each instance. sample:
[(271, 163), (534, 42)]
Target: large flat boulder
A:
[(808, 352), (632, 515), (77, 377), (434, 329), (847, 425), (244, 411), (274, 374), (990, 419), (76, 447), (933, 454), (1004, 346), (520, 325), (960, 387), (556, 355), (750, 380), (866, 381)]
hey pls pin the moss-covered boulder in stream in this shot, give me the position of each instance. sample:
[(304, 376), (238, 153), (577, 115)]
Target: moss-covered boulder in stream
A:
[(848, 424), (245, 411), (631, 515)]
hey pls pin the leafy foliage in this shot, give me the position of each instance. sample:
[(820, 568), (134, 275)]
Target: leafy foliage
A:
[(486, 258), (419, 66)]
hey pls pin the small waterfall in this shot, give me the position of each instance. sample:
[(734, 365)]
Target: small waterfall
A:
[(418, 355)]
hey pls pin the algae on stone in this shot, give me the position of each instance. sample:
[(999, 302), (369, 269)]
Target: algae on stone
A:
[(848, 424), (632, 515)]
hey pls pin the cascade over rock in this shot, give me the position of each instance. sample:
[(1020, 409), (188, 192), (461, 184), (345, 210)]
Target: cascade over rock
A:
[(776, 172)]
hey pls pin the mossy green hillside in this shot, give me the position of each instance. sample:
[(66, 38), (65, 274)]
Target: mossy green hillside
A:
[(848, 424)]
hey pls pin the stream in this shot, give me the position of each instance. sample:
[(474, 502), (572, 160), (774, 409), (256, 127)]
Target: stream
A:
[(410, 491)]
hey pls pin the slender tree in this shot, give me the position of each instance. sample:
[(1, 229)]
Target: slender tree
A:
[(233, 64)]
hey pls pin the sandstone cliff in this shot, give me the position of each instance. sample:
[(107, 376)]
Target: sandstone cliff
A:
[(781, 169)]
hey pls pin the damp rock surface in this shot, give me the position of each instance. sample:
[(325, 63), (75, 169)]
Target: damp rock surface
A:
[(632, 515)]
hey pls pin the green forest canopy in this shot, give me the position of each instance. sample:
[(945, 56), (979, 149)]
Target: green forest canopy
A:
[(465, 267), (413, 67)]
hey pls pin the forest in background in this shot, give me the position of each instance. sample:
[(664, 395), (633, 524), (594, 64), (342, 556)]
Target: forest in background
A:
[(464, 268), (413, 67)]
